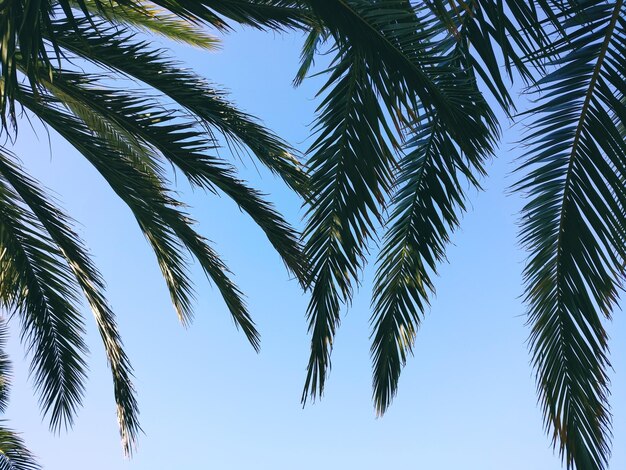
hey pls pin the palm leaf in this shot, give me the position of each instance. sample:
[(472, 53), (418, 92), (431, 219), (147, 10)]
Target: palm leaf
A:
[(157, 129), (13, 452), (58, 226), (574, 226), (391, 65), (146, 17), (350, 166), (44, 295), (429, 197), (117, 51), (5, 363), (168, 230)]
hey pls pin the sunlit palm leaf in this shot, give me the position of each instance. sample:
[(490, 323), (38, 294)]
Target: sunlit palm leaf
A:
[(146, 17)]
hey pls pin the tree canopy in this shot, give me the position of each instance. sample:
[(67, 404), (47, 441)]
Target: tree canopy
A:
[(404, 127)]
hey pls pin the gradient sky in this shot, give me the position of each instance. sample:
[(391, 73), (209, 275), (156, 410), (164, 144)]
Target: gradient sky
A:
[(466, 400)]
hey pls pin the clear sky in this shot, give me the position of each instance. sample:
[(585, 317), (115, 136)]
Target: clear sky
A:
[(466, 400)]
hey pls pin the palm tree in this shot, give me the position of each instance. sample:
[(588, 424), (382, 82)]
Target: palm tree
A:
[(403, 124), (128, 137), (404, 129)]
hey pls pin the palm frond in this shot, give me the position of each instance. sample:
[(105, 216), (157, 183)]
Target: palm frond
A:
[(117, 51), (574, 226), (146, 17), (429, 197), (179, 144), (14, 455), (43, 293), (261, 14), (315, 37), (399, 57), (22, 27), (5, 363), (58, 226), (168, 230)]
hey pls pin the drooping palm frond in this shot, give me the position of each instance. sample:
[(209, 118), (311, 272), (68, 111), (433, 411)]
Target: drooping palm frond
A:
[(5, 364), (27, 35), (166, 228), (148, 18), (182, 146), (574, 226), (391, 65), (128, 137), (14, 455), (58, 227), (350, 176), (430, 194), (260, 14), (43, 293)]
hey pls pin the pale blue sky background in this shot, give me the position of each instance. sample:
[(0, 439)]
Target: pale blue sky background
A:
[(466, 400)]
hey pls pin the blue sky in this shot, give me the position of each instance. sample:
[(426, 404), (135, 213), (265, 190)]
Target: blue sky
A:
[(466, 400)]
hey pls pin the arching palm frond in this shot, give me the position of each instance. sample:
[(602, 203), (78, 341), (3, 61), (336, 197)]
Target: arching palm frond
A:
[(148, 18), (127, 137), (28, 36), (117, 50), (572, 55), (166, 228), (350, 175), (261, 14), (574, 226), (182, 146)]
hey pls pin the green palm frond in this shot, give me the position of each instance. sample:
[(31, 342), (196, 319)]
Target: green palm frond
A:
[(58, 227), (128, 138), (574, 226), (185, 148), (261, 14), (315, 37), (22, 27), (426, 205), (147, 17), (27, 34), (43, 293), (391, 65), (351, 172), (430, 196), (113, 49), (167, 229), (14, 455)]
